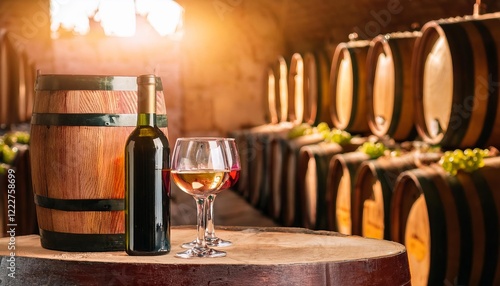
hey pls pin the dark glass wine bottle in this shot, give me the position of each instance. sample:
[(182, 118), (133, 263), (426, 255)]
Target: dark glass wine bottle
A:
[(147, 179)]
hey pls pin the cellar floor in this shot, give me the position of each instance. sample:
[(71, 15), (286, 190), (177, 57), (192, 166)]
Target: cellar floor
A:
[(230, 209)]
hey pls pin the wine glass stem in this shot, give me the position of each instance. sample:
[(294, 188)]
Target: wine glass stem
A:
[(210, 231), (202, 222)]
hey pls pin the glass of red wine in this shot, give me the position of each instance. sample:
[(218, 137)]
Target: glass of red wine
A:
[(234, 174), (200, 168)]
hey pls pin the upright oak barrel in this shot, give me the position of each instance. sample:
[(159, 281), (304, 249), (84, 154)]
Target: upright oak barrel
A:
[(79, 130), (389, 85), (449, 224), (456, 70), (348, 105)]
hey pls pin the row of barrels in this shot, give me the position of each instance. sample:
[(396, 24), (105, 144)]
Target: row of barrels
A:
[(449, 224), (17, 81), (440, 84)]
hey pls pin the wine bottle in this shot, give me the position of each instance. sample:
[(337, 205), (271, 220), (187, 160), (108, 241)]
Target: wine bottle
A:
[(147, 179)]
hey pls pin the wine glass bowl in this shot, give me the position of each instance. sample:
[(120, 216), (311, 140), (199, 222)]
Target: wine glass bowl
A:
[(200, 168), (234, 173)]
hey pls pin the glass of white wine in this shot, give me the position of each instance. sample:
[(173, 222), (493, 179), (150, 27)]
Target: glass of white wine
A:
[(233, 159), (200, 168)]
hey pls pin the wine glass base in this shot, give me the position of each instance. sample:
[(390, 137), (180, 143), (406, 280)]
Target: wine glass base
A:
[(211, 242), (200, 252), (218, 242)]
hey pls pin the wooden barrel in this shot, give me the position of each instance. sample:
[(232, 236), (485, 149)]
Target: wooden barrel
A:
[(340, 190), (256, 144), (276, 168), (348, 103), (276, 92), (271, 102), (373, 193), (296, 89), (389, 86), (79, 128), (10, 82), (312, 174), (316, 89), (250, 143), (456, 70), (259, 148), (450, 225), (280, 68), (289, 214), (260, 256)]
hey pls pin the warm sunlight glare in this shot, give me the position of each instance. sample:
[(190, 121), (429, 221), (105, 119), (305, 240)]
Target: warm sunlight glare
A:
[(117, 17), (164, 16), (72, 15)]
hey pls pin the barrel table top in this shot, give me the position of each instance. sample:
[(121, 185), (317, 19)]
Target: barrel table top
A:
[(259, 256)]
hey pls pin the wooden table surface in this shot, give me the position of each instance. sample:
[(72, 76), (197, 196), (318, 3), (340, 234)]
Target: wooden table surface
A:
[(259, 256)]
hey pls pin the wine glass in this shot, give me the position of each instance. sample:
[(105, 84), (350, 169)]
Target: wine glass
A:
[(234, 174), (200, 168)]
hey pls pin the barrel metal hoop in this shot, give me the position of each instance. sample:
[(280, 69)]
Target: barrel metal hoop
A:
[(355, 88), (92, 119), (80, 204), (81, 241), (89, 82)]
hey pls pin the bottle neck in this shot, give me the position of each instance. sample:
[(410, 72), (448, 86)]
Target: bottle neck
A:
[(146, 119), (146, 104)]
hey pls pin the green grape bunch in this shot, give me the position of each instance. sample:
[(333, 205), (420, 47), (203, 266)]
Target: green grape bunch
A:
[(8, 148), (338, 136), (300, 130), (8, 154), (19, 137), (468, 160), (329, 135), (373, 149)]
